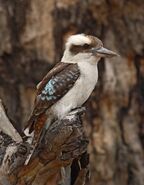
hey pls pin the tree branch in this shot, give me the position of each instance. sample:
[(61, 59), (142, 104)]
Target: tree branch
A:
[(51, 163), (6, 127)]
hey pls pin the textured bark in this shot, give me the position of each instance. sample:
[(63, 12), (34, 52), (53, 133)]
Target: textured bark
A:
[(32, 37), (50, 164)]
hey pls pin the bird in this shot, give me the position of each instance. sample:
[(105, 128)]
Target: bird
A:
[(69, 84)]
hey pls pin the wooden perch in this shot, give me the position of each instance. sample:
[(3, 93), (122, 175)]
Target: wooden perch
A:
[(62, 151), (6, 127)]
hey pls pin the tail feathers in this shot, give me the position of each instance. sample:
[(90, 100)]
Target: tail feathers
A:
[(34, 143), (36, 130), (30, 133), (29, 128)]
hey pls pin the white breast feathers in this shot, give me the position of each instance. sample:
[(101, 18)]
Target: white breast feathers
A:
[(80, 92)]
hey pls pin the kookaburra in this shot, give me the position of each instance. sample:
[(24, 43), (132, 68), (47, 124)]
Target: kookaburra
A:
[(69, 84)]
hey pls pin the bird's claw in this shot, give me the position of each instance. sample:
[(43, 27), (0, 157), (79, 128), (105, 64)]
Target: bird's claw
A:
[(78, 111)]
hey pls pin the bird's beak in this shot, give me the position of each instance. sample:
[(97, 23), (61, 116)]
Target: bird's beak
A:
[(103, 52)]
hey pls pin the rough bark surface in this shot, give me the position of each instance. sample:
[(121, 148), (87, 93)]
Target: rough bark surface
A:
[(64, 145), (32, 37)]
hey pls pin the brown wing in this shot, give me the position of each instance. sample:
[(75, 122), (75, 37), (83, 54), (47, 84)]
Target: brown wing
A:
[(53, 87)]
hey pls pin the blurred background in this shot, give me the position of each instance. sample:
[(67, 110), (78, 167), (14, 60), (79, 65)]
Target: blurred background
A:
[(32, 37)]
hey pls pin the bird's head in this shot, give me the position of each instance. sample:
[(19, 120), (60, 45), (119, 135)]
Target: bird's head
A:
[(81, 48)]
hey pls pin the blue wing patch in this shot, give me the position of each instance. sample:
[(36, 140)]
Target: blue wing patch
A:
[(49, 90)]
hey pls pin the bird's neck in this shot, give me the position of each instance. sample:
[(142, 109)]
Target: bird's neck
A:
[(88, 69)]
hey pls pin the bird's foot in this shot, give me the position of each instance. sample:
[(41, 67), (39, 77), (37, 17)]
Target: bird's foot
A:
[(78, 111)]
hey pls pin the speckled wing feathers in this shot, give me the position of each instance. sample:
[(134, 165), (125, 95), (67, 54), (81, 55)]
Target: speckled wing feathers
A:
[(55, 70), (55, 87)]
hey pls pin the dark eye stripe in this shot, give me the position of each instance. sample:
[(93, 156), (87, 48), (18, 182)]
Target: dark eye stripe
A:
[(77, 49)]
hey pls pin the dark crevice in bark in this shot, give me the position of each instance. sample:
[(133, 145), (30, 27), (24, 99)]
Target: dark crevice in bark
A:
[(123, 112), (17, 111), (130, 175), (74, 171), (140, 94), (16, 16), (77, 165), (140, 76)]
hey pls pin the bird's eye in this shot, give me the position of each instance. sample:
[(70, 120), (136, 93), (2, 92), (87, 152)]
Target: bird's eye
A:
[(86, 46)]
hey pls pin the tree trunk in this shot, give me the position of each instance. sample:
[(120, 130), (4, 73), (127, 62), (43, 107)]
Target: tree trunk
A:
[(32, 37)]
